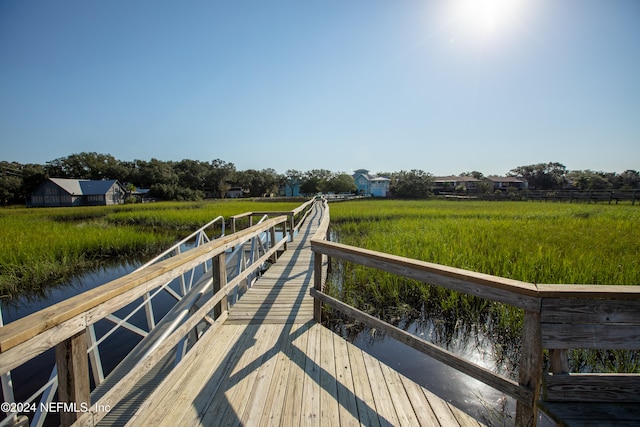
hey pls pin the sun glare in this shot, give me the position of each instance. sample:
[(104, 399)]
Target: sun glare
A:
[(488, 19)]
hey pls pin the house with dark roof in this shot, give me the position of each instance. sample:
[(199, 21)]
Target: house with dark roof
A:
[(56, 192), (453, 183), (503, 183), (371, 185)]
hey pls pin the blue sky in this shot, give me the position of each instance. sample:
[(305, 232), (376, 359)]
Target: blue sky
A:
[(385, 85)]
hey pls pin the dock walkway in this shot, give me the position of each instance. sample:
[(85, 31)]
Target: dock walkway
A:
[(270, 363)]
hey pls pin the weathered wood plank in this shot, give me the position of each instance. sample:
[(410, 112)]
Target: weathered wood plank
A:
[(190, 375), (365, 402), (384, 404), (73, 375), (441, 409), (329, 409), (401, 402), (593, 414), (588, 291), (264, 375), (230, 401), (610, 337), (589, 311), (592, 387), (311, 386), (348, 409), (275, 399), (421, 406), (530, 369), (292, 411)]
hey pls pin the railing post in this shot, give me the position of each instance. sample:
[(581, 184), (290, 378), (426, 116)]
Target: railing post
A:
[(73, 376), (328, 239), (272, 237), (219, 281), (292, 225), (530, 369), (559, 361), (317, 285)]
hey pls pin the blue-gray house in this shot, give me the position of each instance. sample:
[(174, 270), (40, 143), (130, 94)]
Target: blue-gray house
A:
[(55, 192), (371, 185)]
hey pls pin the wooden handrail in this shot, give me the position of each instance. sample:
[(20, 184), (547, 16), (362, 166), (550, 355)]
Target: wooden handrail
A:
[(513, 292), (50, 318), (589, 291), (290, 214), (527, 296)]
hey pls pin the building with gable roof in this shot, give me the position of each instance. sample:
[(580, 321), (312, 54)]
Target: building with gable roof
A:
[(371, 185), (57, 192), (506, 182)]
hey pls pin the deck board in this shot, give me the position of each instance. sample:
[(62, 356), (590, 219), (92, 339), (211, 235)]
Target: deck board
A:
[(271, 364)]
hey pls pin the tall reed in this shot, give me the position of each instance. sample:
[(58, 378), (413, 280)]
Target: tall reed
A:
[(40, 247)]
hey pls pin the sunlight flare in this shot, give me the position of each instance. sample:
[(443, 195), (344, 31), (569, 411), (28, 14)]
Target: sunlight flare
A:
[(489, 19)]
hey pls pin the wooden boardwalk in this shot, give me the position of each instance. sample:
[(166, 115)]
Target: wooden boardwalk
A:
[(270, 363)]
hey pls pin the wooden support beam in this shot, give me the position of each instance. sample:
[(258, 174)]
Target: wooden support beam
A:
[(317, 285), (530, 369), (73, 376), (272, 237), (292, 225), (219, 282)]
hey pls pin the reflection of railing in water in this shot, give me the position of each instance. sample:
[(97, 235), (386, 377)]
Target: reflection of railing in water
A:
[(69, 326), (557, 318)]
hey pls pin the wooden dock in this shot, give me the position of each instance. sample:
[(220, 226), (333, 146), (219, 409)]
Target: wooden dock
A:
[(270, 363), (265, 359)]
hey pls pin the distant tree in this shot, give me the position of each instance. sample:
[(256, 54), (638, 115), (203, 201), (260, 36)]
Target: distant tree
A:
[(415, 184), (311, 185), (341, 183), (174, 192), (628, 180), (320, 174), (542, 176), (192, 174), (473, 174), (86, 166), (10, 183), (589, 180), (484, 187), (155, 172), (220, 178), (32, 177), (259, 183)]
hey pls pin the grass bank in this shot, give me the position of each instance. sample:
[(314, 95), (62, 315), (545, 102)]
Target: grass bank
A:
[(41, 247)]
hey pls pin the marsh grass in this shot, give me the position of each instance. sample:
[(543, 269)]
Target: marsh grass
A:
[(533, 242), (41, 247)]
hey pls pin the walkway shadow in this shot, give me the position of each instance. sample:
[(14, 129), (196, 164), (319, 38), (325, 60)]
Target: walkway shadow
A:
[(212, 401)]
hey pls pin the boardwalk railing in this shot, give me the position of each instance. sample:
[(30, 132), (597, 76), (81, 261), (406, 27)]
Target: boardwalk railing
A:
[(295, 217), (201, 279), (556, 317)]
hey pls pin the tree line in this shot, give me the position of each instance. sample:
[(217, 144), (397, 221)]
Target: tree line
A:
[(166, 180), (195, 180)]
